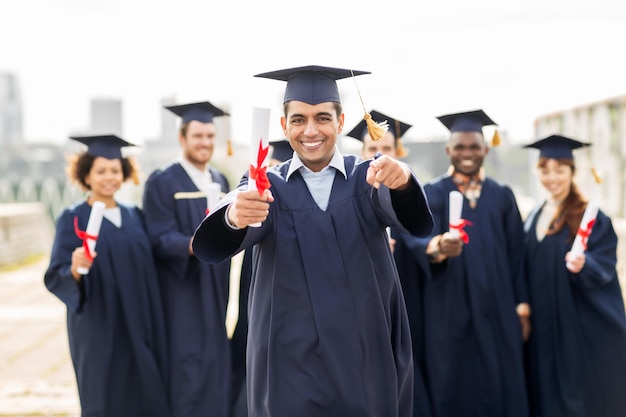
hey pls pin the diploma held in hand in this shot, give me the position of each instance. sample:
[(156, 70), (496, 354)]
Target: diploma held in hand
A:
[(454, 212), (455, 223), (259, 148), (90, 235), (213, 196), (584, 230)]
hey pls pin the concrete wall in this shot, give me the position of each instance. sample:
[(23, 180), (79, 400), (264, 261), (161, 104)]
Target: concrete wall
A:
[(25, 231)]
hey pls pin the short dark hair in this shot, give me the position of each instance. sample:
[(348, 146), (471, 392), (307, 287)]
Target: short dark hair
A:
[(79, 166)]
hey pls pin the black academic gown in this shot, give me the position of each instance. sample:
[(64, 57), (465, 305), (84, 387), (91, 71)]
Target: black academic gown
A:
[(328, 332), (239, 339), (467, 336), (195, 295), (577, 349), (114, 317)]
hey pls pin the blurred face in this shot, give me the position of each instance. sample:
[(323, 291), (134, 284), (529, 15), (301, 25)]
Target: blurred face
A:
[(312, 132), (105, 178), (556, 178), (198, 143), (467, 150), (385, 145)]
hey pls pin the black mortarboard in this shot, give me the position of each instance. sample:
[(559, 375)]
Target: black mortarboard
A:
[(557, 147), (311, 84), (203, 112), (469, 121), (396, 127), (281, 150), (106, 146)]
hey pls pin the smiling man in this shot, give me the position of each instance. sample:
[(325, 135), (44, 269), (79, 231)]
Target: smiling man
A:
[(195, 294), (328, 331), (468, 294)]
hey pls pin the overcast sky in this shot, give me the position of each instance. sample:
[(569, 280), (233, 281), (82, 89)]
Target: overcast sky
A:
[(514, 59)]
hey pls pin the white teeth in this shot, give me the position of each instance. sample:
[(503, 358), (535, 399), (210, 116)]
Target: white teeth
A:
[(311, 144), (467, 162)]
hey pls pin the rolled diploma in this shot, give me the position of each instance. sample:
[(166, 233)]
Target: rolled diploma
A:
[(213, 195), (454, 211), (590, 214), (93, 229), (259, 135)]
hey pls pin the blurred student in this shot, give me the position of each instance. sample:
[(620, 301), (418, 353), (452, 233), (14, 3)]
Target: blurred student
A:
[(469, 287), (176, 199), (114, 313), (577, 348)]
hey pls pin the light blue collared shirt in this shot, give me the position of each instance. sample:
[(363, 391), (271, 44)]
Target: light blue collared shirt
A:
[(319, 183)]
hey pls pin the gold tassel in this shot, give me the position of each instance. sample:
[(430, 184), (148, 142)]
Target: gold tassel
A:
[(401, 151), (229, 147), (596, 176), (375, 130), (495, 140)]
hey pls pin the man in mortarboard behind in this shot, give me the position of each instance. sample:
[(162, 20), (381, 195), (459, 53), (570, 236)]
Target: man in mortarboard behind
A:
[(195, 294), (328, 332), (470, 288)]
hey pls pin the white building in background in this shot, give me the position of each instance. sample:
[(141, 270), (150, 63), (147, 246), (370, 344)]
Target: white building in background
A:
[(603, 124), (11, 131)]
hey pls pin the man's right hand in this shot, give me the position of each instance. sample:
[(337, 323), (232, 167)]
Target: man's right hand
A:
[(249, 208), (450, 246)]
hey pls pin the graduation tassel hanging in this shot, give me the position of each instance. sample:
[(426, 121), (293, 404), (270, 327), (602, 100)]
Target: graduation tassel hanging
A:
[(375, 130), (401, 151), (495, 140), (229, 147), (596, 176)]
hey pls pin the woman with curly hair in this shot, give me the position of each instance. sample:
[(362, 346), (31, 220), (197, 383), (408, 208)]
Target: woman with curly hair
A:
[(577, 349), (114, 314)]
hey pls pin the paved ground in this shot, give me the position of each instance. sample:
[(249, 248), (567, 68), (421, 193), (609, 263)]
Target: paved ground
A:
[(36, 374)]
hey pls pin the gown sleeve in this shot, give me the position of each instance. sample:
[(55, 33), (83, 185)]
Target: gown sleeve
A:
[(601, 256), (58, 278)]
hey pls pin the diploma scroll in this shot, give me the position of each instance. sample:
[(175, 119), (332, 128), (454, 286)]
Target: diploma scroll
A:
[(213, 196), (454, 214), (584, 230), (92, 231), (259, 148)]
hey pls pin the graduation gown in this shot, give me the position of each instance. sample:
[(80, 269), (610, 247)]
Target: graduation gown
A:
[(467, 336), (577, 348), (114, 317), (328, 333), (195, 294)]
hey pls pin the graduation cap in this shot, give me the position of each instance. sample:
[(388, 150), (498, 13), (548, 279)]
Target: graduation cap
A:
[(557, 147), (106, 146), (471, 121), (203, 112), (560, 147), (396, 127), (312, 84), (282, 150)]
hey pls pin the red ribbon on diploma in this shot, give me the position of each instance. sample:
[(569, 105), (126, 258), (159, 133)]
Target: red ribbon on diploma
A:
[(258, 173), (584, 233), (461, 228), (83, 235)]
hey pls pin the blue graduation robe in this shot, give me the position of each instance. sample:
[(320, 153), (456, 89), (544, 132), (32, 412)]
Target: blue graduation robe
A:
[(328, 332), (195, 294), (467, 336), (577, 348), (114, 317)]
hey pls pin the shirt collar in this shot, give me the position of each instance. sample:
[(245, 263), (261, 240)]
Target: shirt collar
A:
[(336, 162), (190, 168)]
